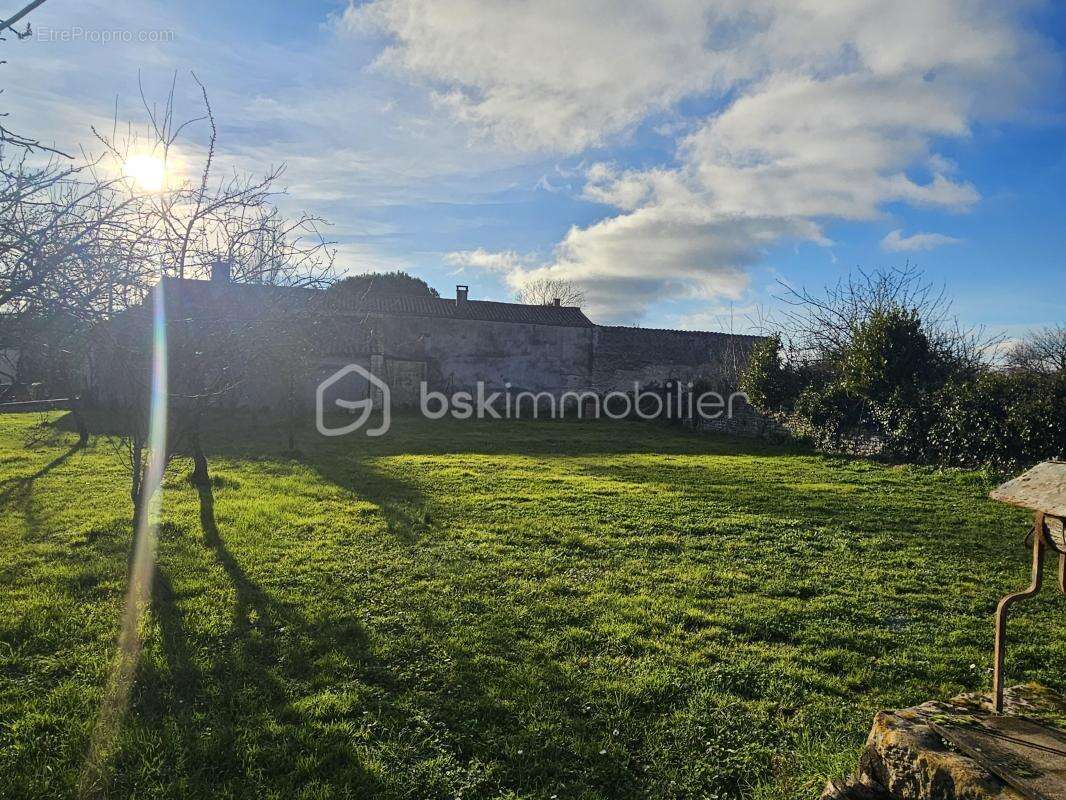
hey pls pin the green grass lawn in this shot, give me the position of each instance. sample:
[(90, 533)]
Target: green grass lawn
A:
[(521, 609)]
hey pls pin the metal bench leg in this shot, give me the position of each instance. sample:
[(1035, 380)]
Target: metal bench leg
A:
[(1010, 599)]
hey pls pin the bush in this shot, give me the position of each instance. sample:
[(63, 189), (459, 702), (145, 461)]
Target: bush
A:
[(830, 410), (891, 388), (769, 385), (890, 358), (1004, 420)]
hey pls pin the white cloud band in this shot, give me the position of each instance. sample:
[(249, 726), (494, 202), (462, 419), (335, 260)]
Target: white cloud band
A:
[(831, 111)]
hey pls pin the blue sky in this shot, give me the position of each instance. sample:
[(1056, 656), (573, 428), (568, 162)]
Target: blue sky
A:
[(675, 159)]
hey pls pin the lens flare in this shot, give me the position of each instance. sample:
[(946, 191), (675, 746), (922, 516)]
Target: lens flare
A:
[(116, 695)]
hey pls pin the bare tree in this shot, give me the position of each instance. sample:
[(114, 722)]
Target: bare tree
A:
[(818, 327), (172, 366), (70, 242), (196, 221), (70, 255), (206, 358), (7, 136), (550, 291), (191, 225), (1042, 351)]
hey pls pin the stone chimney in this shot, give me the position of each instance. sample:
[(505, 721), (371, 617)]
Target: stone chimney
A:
[(462, 293), (220, 271), (557, 302)]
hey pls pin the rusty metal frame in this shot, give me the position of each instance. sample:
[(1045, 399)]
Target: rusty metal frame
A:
[(1041, 542)]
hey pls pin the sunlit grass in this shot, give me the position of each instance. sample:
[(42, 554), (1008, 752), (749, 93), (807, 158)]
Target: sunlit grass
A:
[(483, 610)]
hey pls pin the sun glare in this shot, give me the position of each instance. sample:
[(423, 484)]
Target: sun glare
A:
[(147, 172)]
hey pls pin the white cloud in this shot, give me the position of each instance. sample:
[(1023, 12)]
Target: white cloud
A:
[(896, 242), (839, 147), (630, 262), (507, 261), (833, 110), (555, 74)]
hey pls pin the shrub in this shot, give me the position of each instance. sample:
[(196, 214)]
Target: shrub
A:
[(1003, 420), (829, 412), (890, 358), (902, 422), (768, 383), (875, 365)]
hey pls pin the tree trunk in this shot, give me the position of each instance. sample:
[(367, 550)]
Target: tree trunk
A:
[(79, 421), (200, 474), (292, 415), (136, 481)]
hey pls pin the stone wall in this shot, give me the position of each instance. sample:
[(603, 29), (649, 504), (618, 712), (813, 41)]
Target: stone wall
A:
[(453, 354), (460, 352), (745, 421), (555, 358), (622, 356)]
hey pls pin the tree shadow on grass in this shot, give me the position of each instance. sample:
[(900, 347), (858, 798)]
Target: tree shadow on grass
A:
[(176, 647), (184, 680), (401, 503), (229, 697), (18, 492), (246, 434), (266, 626), (346, 464), (483, 721)]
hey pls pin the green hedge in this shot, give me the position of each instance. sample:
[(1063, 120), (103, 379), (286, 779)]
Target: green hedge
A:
[(1000, 419), (890, 383)]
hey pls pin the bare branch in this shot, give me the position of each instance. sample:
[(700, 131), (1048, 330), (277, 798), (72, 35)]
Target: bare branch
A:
[(550, 291), (817, 327), (1042, 351)]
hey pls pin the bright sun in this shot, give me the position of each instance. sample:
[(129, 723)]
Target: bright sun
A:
[(147, 172)]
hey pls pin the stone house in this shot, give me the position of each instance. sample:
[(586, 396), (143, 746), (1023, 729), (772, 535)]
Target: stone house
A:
[(451, 344)]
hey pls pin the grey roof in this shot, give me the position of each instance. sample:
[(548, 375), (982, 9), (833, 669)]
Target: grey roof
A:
[(666, 332), (242, 294), (484, 310), (186, 292)]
